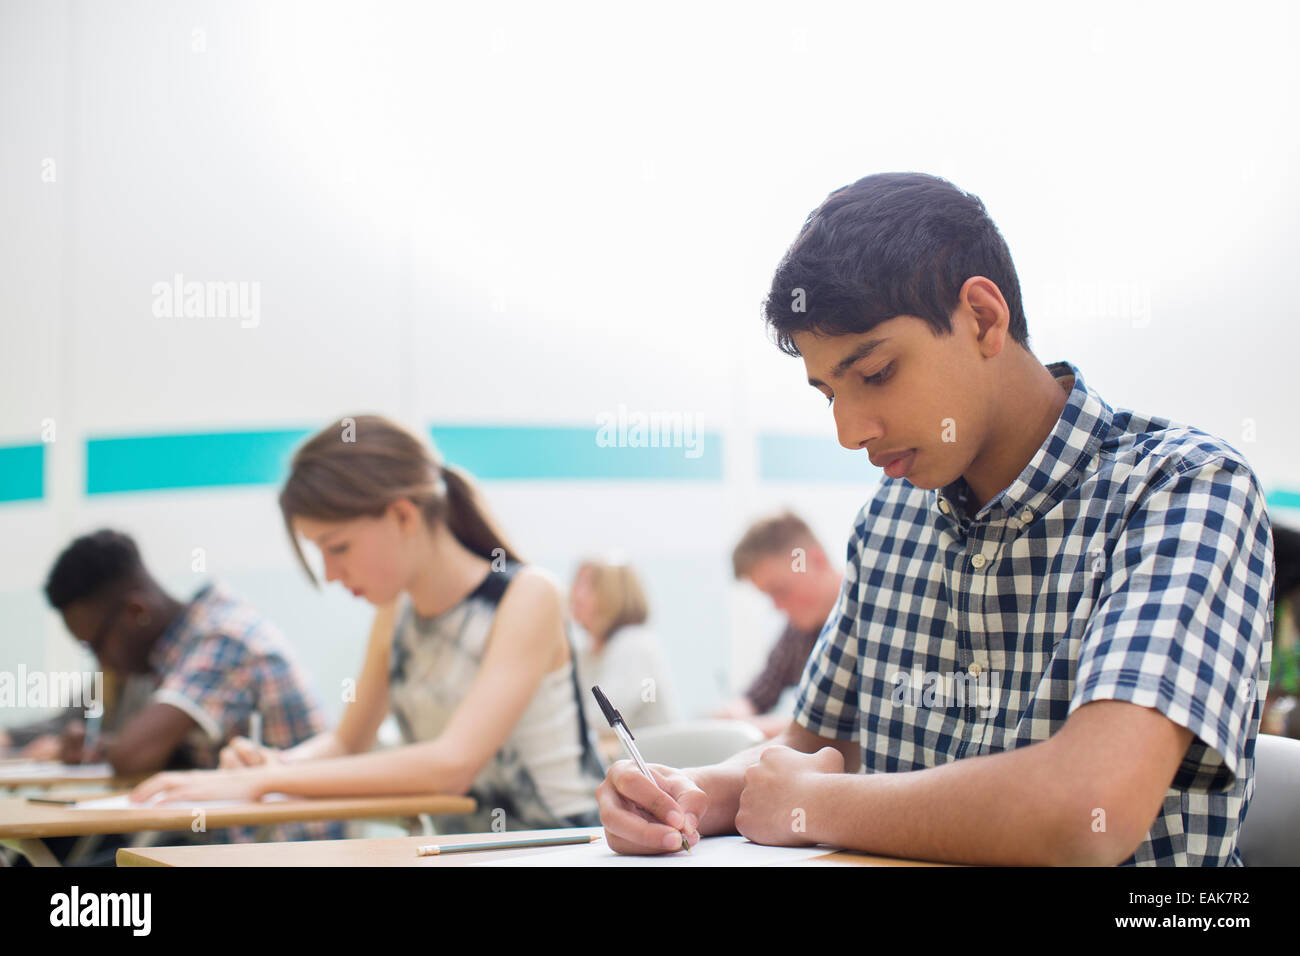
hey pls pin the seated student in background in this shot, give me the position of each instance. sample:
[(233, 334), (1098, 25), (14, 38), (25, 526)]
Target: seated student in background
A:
[(781, 557), (1054, 631), (620, 654), (212, 662), (468, 649)]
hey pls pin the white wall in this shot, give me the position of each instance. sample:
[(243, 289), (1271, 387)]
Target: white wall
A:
[(533, 213)]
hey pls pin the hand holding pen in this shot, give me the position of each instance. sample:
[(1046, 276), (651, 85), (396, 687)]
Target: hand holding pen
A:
[(639, 804)]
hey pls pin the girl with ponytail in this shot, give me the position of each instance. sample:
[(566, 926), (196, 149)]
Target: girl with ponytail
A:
[(469, 648)]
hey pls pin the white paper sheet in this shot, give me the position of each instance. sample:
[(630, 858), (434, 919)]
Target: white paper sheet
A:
[(122, 801), (52, 768), (710, 851)]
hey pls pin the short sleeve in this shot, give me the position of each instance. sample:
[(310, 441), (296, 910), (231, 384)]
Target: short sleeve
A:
[(1183, 622), (828, 691), (213, 685)]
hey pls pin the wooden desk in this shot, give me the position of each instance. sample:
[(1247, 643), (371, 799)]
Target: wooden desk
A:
[(23, 824), (396, 851)]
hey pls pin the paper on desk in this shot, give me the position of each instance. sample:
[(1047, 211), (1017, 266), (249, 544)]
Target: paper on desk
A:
[(710, 851), (52, 768), (122, 801)]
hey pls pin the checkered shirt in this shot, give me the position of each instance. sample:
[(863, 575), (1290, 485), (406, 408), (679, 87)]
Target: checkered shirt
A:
[(219, 662), (1130, 560)]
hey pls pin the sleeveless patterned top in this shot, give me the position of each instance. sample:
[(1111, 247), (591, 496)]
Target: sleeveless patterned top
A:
[(545, 773)]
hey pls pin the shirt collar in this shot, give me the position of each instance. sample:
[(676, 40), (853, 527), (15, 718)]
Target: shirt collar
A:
[(1057, 465)]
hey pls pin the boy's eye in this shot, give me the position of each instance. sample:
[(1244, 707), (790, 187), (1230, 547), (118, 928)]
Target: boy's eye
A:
[(338, 549), (880, 376), (878, 379)]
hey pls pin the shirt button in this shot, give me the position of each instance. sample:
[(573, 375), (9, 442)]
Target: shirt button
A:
[(978, 560), (975, 668), (943, 506), (1026, 516)]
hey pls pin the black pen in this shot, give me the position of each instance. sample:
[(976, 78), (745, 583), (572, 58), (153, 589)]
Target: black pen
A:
[(619, 725)]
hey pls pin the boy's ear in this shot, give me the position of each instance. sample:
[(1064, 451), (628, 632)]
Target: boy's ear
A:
[(136, 605), (983, 299)]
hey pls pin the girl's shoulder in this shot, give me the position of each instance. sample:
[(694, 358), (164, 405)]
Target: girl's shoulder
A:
[(529, 584)]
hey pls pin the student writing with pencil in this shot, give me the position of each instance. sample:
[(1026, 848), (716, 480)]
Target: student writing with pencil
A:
[(469, 647)]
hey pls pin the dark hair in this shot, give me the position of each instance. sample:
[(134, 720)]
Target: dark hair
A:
[(90, 566), (360, 465), (888, 245)]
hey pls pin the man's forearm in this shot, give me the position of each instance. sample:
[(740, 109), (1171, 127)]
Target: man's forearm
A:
[(1012, 808)]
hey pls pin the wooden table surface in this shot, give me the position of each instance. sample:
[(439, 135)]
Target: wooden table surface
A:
[(397, 851), (21, 819)]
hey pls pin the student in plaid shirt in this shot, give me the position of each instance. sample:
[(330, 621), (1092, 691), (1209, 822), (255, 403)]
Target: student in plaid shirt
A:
[(1052, 641), (214, 662)]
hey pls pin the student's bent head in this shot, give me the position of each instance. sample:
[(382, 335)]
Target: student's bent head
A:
[(607, 595), (900, 295), (107, 599), (780, 556), (372, 495)]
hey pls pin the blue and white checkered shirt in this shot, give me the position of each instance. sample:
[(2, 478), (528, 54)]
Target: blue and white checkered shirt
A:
[(1131, 560)]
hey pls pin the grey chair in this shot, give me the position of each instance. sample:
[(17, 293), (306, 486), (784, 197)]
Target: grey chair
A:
[(696, 743), (1270, 834)]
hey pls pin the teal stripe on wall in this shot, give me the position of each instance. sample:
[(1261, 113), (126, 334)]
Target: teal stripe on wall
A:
[(809, 458), (530, 452), (200, 460), (213, 460), (489, 452), (22, 472), (1283, 498)]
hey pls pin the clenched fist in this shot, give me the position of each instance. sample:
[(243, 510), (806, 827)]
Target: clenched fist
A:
[(774, 803)]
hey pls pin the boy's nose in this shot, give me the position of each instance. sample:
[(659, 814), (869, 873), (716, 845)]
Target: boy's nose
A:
[(853, 428)]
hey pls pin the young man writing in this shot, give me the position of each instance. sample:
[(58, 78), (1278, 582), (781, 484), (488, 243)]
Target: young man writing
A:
[(1053, 637)]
